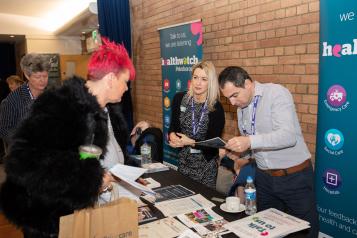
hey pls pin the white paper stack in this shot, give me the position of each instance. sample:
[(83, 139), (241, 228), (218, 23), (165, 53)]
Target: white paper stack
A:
[(155, 167)]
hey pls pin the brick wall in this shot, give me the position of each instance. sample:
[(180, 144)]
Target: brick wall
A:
[(275, 41)]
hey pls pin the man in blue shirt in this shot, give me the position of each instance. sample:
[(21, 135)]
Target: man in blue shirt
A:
[(271, 133)]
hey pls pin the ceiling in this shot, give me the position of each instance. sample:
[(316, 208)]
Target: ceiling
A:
[(46, 17)]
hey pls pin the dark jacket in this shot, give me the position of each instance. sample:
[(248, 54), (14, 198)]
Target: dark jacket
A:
[(215, 124), (45, 177)]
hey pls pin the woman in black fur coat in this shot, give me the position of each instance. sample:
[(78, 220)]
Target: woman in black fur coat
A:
[(46, 178)]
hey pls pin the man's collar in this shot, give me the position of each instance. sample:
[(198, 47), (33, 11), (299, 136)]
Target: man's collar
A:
[(258, 89)]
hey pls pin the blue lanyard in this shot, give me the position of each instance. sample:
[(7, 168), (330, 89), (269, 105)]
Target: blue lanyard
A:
[(196, 127), (254, 112)]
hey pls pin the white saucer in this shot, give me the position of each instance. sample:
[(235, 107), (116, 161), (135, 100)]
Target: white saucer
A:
[(224, 208)]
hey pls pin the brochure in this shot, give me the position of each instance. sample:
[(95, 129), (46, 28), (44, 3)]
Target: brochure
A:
[(183, 205), (216, 142), (146, 214), (269, 223), (172, 192), (201, 216), (152, 183), (128, 175), (165, 228)]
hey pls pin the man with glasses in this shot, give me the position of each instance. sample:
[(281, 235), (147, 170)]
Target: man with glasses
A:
[(271, 133)]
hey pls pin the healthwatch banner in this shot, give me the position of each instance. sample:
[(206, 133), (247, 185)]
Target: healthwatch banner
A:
[(336, 154), (181, 48)]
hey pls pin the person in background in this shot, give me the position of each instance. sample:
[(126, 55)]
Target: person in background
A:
[(17, 104), (271, 134), (4, 91), (14, 82), (198, 115), (47, 177), (242, 168), (145, 132)]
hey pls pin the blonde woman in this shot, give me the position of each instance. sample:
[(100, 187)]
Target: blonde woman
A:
[(198, 115), (14, 82)]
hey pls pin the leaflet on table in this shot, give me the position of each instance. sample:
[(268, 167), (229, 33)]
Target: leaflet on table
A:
[(200, 216), (152, 183), (211, 229), (172, 192), (268, 223), (146, 214), (155, 167), (165, 228), (129, 174), (183, 205), (216, 142), (189, 234)]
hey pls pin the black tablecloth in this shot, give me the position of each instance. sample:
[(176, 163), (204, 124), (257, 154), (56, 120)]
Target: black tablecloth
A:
[(172, 177)]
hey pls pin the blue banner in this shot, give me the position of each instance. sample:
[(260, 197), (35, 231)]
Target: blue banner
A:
[(181, 48), (336, 161)]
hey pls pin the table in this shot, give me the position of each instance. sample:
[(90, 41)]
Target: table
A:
[(172, 177)]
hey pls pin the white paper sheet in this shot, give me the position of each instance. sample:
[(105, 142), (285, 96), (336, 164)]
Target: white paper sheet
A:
[(164, 228), (129, 174), (183, 205)]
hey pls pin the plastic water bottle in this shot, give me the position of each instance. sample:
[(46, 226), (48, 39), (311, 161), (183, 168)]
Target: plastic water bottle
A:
[(145, 151), (250, 197)]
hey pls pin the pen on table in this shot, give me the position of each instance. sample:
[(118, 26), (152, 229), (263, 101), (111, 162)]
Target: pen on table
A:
[(196, 202)]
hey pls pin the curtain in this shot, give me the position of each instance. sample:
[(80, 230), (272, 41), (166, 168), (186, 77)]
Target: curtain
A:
[(114, 23)]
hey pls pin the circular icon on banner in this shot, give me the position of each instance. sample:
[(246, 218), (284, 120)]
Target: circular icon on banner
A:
[(336, 95), (167, 120), (332, 179), (166, 102), (334, 139), (178, 84), (166, 85), (188, 84)]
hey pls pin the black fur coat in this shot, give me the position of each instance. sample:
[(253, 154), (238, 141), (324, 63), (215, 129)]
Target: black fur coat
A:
[(45, 178)]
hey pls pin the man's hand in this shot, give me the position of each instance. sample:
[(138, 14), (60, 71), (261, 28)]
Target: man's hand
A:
[(230, 154), (107, 179), (238, 144)]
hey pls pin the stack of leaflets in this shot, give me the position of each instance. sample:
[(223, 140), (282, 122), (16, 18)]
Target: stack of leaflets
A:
[(269, 223), (155, 167)]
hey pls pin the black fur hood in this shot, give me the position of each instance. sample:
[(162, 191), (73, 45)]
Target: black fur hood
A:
[(45, 178)]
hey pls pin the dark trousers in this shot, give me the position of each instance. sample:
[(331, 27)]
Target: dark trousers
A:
[(293, 194)]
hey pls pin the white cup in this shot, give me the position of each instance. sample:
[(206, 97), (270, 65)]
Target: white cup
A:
[(232, 203)]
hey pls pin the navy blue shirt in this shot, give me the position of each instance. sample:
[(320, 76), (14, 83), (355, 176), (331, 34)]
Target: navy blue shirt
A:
[(14, 108)]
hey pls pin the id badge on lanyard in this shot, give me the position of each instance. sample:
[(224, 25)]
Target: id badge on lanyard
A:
[(194, 151)]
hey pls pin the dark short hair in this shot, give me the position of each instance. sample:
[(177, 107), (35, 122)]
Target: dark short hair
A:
[(235, 75)]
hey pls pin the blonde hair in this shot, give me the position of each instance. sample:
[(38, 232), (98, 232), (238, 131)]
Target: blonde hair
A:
[(15, 78), (213, 87)]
